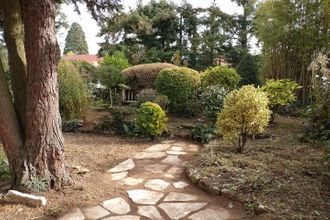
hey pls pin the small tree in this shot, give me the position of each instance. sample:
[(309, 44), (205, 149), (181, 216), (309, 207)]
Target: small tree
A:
[(245, 112)]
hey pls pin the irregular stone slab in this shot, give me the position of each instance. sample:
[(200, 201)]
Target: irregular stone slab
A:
[(123, 217), (211, 214), (131, 181), (158, 147), (180, 185), (175, 170), (156, 184), (156, 168), (75, 214), (173, 160), (149, 212), (179, 210), (118, 176), (24, 198), (176, 152), (179, 197), (150, 155), (177, 148), (95, 212), (193, 147), (123, 166), (144, 197), (117, 206)]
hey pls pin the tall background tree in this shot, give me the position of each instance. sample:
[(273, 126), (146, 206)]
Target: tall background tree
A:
[(75, 40)]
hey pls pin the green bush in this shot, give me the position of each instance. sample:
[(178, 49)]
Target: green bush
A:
[(204, 133), (245, 112), (151, 120), (180, 85), (220, 75), (74, 94), (143, 76), (211, 100)]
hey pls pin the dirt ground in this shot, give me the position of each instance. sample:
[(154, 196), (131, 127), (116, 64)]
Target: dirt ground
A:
[(96, 153), (279, 172)]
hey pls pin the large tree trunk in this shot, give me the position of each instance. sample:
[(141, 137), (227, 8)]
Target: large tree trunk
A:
[(43, 149), (14, 37), (10, 133)]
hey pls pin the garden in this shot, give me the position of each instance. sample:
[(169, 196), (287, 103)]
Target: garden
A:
[(215, 130)]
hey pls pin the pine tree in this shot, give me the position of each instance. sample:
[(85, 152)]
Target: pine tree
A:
[(75, 40)]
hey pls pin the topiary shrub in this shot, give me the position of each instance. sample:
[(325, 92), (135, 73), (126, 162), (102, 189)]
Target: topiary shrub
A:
[(180, 85), (220, 75), (211, 100), (151, 120), (245, 112), (74, 94), (144, 75), (280, 93)]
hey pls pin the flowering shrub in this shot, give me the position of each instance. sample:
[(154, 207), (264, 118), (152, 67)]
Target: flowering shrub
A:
[(180, 85), (220, 75), (245, 112), (151, 120), (211, 100)]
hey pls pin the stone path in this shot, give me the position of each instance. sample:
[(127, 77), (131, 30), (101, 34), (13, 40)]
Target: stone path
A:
[(157, 188)]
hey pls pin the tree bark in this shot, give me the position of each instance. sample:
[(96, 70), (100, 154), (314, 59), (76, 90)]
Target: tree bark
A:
[(10, 133), (14, 37), (43, 149)]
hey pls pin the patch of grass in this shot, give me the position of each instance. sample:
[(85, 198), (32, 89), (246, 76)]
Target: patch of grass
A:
[(281, 173)]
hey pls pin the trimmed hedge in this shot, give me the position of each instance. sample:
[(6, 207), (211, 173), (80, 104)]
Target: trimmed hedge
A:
[(143, 76), (180, 85), (220, 75)]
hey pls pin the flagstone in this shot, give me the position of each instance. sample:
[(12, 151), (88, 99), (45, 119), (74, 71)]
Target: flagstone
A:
[(123, 166), (144, 197), (149, 212), (156, 184), (179, 210), (211, 214), (117, 206), (179, 197)]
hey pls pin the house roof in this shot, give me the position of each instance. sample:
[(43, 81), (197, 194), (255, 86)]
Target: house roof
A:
[(91, 59)]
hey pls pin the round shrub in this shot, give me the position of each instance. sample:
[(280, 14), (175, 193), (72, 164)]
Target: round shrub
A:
[(74, 94), (144, 75), (245, 112), (220, 75), (151, 120), (211, 100), (180, 85)]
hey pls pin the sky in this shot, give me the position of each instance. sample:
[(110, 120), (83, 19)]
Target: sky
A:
[(91, 29)]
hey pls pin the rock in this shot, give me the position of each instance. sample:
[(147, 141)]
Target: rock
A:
[(123, 166), (150, 212), (117, 206), (158, 147), (150, 155), (176, 152), (131, 181), (179, 197), (211, 214), (173, 160), (156, 168), (123, 217), (118, 176), (83, 171), (180, 185), (156, 184), (75, 214), (179, 210), (175, 170), (95, 212), (14, 196), (144, 197)]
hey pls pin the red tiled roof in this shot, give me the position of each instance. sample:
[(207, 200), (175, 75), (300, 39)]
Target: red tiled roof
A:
[(91, 59)]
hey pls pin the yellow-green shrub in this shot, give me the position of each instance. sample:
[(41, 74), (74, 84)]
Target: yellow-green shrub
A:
[(151, 120), (220, 75), (180, 85), (144, 75), (74, 94), (245, 112)]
